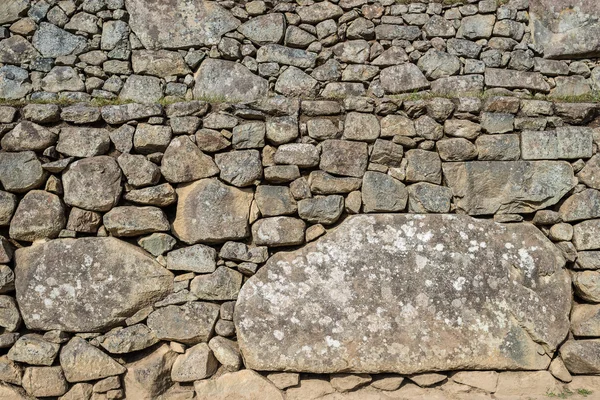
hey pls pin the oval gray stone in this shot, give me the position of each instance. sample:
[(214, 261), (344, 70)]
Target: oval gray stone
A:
[(408, 294), (86, 285)]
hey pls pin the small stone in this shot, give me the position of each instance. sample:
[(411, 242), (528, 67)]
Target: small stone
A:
[(589, 175), (138, 170), (10, 371), (28, 136), (190, 323), (83, 142), (403, 78), (423, 166), (498, 147), (281, 173), (424, 197), (20, 172), (476, 27), (34, 350), (278, 231), (61, 79), (581, 206), (134, 221), (321, 209), (585, 235), (344, 157), (249, 136), (387, 382), (107, 384), (245, 383), (197, 363), (484, 380), (83, 362), (226, 352), (198, 258), (240, 168), (284, 380), (184, 162), (161, 63), (161, 196), (211, 141), (132, 338), (157, 244), (240, 252), (300, 154), (45, 381), (456, 149), (581, 356), (425, 380), (427, 128), (142, 89), (222, 284), (242, 85), (53, 41), (149, 374), (13, 82), (382, 193), (559, 370), (39, 215), (323, 183), (150, 139), (361, 127), (347, 382), (93, 184)]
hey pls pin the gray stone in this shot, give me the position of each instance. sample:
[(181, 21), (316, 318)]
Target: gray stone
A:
[(427, 128), (161, 63), (324, 210), (210, 141), (93, 184), (352, 51), (115, 35), (507, 187), (586, 235), (162, 195), (149, 373), (176, 24), (21, 172), (456, 149), (222, 284), (465, 85), (293, 82), (120, 114), (81, 114), (588, 260), (274, 200), (8, 204), (10, 371), (400, 255), (248, 136), (13, 83), (220, 80), (240, 168), (566, 142), (157, 244), (438, 26), (361, 127), (403, 78), (281, 130), (52, 41), (28, 136), (245, 384), (476, 27), (82, 362), (297, 37), (226, 352), (83, 142), (150, 139), (590, 174), (132, 338), (13, 10), (423, 166), (571, 87), (424, 197), (237, 251), (264, 29), (223, 216), (587, 285), (71, 267), (303, 155), (44, 381), (138, 170), (581, 356), (13, 392), (190, 323), (438, 64), (278, 231), (392, 125), (585, 320), (184, 162), (32, 349), (382, 193), (83, 22), (341, 157), (142, 89), (323, 183), (17, 50), (511, 79), (463, 48), (580, 206), (498, 147), (127, 221), (198, 258), (564, 29), (402, 32), (497, 122), (197, 363), (40, 215), (61, 79), (318, 12)]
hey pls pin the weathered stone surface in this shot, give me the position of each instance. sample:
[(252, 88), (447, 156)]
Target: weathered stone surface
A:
[(458, 85), (10, 371), (321, 209), (32, 349), (590, 174), (488, 187), (12, 10), (226, 352), (210, 211), (40, 215), (222, 284), (132, 338), (45, 381), (318, 12), (585, 320), (160, 63), (264, 29), (120, 114), (566, 29), (83, 142), (13, 82), (184, 162), (138, 170), (220, 80), (198, 258), (61, 79), (511, 79), (581, 356), (190, 323), (83, 362), (176, 24), (20, 172), (424, 197), (586, 235), (275, 200), (141, 89), (28, 136), (197, 363), (403, 78), (580, 206), (53, 41), (93, 183), (382, 193), (240, 168), (341, 157), (476, 27), (304, 155), (407, 317), (127, 221), (245, 384), (278, 231), (149, 373), (64, 284), (566, 142), (587, 285)]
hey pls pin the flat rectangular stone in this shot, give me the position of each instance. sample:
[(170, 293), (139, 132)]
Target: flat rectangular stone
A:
[(564, 143), (508, 187), (511, 79)]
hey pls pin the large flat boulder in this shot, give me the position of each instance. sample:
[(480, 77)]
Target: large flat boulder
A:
[(179, 24), (489, 187), (407, 294), (220, 80), (86, 285), (566, 28)]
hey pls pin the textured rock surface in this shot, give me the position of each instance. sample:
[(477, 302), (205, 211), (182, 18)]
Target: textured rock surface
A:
[(85, 285), (219, 80), (489, 319)]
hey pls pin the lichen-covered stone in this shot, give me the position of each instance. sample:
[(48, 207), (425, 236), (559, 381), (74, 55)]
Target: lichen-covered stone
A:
[(86, 285), (20, 172), (220, 80), (40, 215), (190, 323), (28, 136), (395, 259)]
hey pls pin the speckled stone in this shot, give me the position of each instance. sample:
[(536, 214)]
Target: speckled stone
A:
[(404, 291)]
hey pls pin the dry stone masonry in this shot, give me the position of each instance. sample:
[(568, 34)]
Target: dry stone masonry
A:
[(299, 200)]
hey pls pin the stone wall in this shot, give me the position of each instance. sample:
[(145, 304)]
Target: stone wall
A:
[(353, 200)]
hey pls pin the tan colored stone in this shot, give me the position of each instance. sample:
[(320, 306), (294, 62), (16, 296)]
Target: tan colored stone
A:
[(242, 385)]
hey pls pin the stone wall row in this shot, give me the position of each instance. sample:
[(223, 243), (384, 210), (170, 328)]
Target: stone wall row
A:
[(132, 50), (128, 233)]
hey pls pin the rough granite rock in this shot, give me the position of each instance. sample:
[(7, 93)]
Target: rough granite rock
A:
[(488, 187), (403, 78), (149, 373), (243, 385), (20, 172), (83, 362), (176, 24), (381, 304), (86, 285), (190, 323), (28, 136), (212, 212), (40, 215), (220, 80)]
